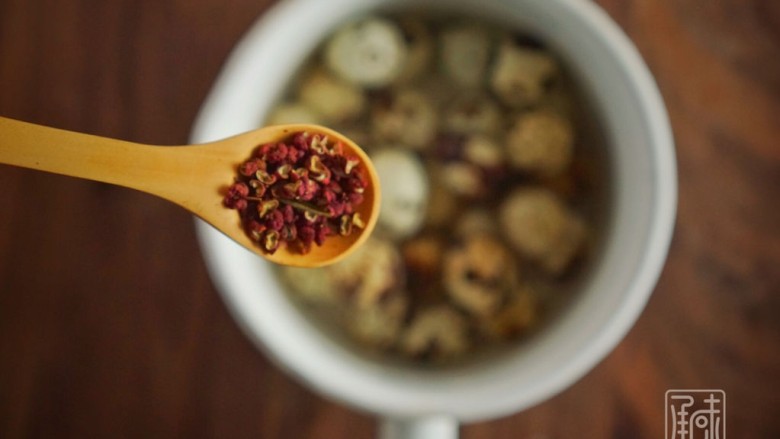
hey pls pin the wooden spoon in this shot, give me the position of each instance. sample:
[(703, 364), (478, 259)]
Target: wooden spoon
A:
[(192, 176)]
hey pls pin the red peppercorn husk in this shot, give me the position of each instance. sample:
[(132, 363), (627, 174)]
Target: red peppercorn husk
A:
[(298, 192)]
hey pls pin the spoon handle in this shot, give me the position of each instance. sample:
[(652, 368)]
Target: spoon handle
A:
[(147, 168)]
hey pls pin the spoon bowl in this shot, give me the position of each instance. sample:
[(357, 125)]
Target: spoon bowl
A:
[(195, 177)]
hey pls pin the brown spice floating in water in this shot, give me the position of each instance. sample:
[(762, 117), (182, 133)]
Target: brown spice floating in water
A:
[(297, 192)]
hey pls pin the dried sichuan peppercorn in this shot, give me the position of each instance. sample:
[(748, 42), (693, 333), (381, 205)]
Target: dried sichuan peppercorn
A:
[(298, 192)]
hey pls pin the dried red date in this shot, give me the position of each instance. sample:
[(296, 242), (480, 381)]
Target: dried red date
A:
[(298, 192)]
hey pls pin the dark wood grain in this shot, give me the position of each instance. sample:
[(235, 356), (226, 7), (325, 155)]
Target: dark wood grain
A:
[(109, 326)]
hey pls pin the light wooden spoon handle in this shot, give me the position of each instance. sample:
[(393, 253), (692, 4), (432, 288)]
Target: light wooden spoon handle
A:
[(147, 168)]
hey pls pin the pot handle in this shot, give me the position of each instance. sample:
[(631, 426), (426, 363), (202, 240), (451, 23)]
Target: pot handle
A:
[(429, 427)]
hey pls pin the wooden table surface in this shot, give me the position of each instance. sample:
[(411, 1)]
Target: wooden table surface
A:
[(110, 327)]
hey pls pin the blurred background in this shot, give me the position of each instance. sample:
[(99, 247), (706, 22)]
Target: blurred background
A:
[(110, 327)]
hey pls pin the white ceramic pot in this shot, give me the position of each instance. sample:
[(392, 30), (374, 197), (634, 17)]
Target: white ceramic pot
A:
[(417, 403)]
